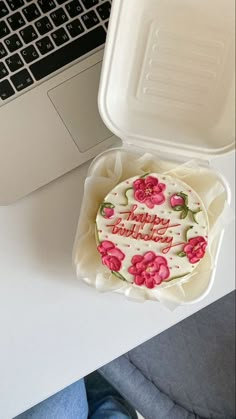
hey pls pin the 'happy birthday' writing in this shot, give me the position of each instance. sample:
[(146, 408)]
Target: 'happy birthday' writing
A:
[(157, 232)]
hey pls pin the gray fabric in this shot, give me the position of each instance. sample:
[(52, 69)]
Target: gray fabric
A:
[(186, 372)]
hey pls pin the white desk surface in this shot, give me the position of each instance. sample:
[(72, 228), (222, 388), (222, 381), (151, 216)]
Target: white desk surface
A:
[(54, 329)]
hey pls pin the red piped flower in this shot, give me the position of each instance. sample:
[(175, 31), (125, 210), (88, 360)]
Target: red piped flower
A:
[(149, 270), (111, 255), (149, 191), (195, 249)]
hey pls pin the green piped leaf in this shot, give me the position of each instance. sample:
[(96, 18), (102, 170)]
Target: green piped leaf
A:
[(143, 176), (178, 277), (108, 205), (194, 218), (96, 234), (119, 276), (126, 196), (194, 213), (186, 233), (181, 254), (184, 213), (178, 208), (184, 196)]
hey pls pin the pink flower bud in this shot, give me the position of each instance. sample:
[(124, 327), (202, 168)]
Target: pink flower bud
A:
[(177, 200), (109, 212)]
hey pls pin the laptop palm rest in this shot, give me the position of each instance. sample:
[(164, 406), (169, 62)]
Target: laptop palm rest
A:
[(75, 100)]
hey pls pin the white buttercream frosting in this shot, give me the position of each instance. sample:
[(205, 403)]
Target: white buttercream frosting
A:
[(112, 168), (152, 230)]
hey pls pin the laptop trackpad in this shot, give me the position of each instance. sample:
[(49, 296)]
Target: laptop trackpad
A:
[(76, 103)]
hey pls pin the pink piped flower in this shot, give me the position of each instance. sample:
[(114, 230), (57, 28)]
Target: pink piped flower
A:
[(195, 249), (149, 269), (149, 191), (111, 255)]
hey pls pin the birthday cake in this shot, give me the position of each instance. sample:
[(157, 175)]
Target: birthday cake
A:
[(151, 230)]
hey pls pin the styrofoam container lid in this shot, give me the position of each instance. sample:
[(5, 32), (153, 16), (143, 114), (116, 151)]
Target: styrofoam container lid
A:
[(168, 75)]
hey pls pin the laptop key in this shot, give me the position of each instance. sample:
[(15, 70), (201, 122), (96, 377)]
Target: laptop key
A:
[(6, 90), (29, 54), (3, 10), (43, 25), (31, 12), (104, 10), (15, 4), (14, 62), (44, 45), (75, 28), (60, 37), (28, 34), (3, 51), (90, 19), (46, 5), (90, 3), (68, 53), (61, 1), (74, 8), (4, 30), (21, 80), (59, 17), (3, 71), (16, 21), (13, 43)]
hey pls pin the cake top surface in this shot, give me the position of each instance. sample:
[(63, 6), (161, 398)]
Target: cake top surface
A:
[(152, 230)]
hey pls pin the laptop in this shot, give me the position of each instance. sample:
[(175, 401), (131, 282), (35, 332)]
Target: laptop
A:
[(50, 61)]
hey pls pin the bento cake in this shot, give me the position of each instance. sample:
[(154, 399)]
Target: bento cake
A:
[(152, 230)]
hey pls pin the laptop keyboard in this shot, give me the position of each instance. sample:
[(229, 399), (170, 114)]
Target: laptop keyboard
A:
[(39, 37)]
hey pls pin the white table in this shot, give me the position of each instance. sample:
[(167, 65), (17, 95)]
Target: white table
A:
[(54, 329)]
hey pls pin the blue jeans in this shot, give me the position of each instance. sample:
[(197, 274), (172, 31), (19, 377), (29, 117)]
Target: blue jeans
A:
[(91, 398)]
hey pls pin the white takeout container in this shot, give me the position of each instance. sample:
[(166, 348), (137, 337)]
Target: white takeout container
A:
[(167, 84)]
